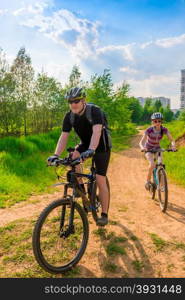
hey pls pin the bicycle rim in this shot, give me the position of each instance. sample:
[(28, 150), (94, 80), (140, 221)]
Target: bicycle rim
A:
[(57, 254), (162, 190)]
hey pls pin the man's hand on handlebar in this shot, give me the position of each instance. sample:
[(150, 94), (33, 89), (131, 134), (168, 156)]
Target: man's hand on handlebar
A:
[(51, 159), (87, 154)]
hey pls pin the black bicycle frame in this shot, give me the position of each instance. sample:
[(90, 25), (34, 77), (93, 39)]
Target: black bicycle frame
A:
[(74, 184)]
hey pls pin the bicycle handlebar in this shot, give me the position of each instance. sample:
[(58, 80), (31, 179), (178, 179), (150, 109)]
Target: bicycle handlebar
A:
[(66, 162), (159, 150)]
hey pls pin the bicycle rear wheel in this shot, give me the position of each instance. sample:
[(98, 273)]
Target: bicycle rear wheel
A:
[(162, 189), (95, 201), (55, 249)]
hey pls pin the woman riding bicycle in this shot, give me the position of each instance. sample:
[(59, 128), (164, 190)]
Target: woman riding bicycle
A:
[(151, 140)]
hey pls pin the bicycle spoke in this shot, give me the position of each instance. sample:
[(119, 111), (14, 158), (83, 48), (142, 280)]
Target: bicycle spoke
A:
[(58, 249)]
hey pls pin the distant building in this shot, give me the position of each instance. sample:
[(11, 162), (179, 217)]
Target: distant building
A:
[(164, 101), (182, 99)]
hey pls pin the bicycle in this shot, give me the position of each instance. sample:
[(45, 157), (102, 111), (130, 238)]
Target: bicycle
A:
[(159, 178), (64, 223)]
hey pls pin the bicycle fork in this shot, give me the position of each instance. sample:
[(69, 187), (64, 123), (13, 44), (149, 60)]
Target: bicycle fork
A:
[(70, 226)]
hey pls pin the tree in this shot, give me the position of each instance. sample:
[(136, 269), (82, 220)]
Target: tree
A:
[(48, 105), (74, 78), (182, 115), (136, 109), (99, 91), (147, 110), (23, 74), (7, 86), (168, 114), (120, 112), (157, 105)]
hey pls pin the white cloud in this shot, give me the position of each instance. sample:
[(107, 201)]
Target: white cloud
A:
[(156, 86), (171, 42), (3, 12), (126, 50), (165, 42), (129, 70), (151, 68), (60, 22)]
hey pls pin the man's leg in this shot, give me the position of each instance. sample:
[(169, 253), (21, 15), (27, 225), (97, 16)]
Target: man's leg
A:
[(103, 192), (102, 162)]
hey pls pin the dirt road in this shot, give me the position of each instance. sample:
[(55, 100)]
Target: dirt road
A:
[(153, 241)]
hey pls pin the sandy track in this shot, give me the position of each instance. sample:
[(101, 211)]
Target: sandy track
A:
[(135, 215)]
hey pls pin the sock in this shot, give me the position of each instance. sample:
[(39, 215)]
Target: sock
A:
[(104, 215)]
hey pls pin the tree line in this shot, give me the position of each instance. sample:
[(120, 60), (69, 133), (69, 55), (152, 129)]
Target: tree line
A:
[(35, 103)]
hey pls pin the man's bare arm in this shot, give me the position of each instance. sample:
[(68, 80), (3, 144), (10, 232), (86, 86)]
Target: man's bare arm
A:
[(61, 145), (97, 130)]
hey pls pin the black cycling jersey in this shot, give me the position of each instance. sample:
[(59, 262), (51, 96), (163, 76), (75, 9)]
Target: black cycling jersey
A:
[(83, 128)]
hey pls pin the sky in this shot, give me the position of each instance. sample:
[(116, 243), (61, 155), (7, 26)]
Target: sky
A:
[(142, 42)]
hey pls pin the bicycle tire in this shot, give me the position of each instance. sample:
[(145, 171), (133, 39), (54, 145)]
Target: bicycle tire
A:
[(162, 187), (36, 239), (95, 201)]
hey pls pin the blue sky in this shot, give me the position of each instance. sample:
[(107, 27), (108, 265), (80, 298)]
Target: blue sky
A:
[(141, 41)]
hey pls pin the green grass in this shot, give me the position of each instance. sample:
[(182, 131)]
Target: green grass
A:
[(175, 162), (138, 265), (16, 253), (159, 243), (121, 140), (23, 170), (113, 249), (120, 239), (179, 245), (134, 238), (112, 222), (100, 232), (110, 267)]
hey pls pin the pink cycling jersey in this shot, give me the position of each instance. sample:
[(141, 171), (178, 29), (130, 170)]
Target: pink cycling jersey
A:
[(154, 137)]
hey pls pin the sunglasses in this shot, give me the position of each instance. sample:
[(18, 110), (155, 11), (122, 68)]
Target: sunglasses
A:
[(74, 101), (157, 121)]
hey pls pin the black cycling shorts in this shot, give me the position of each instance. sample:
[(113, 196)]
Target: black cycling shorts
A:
[(101, 159)]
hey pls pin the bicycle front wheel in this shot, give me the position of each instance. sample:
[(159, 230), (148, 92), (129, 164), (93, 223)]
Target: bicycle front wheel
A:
[(162, 190), (56, 246)]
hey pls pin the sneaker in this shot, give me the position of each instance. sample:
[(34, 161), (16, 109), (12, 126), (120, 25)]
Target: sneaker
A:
[(102, 221), (147, 185)]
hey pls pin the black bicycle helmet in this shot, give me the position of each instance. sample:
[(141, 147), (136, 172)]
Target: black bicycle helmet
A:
[(157, 115), (75, 93)]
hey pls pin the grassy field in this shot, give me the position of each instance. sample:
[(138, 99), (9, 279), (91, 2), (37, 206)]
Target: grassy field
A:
[(17, 259), (175, 162), (23, 170)]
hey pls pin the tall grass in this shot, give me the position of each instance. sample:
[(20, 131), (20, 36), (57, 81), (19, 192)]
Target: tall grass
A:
[(23, 168), (175, 162)]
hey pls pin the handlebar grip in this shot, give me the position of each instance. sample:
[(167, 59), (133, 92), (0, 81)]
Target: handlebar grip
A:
[(76, 161)]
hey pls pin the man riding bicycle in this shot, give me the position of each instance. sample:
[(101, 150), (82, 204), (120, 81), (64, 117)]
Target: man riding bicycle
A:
[(151, 140), (94, 142)]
